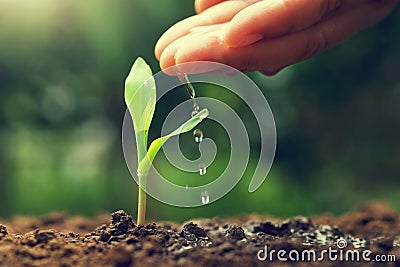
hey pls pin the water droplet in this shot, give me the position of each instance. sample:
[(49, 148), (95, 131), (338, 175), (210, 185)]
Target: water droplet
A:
[(189, 87), (186, 186), (146, 82), (194, 113), (196, 106), (202, 169), (205, 198), (198, 135)]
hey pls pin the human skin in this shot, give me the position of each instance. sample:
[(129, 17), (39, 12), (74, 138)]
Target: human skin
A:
[(265, 35)]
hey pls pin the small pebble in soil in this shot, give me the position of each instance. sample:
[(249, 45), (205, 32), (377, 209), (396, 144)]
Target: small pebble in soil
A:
[(235, 232), (195, 235), (192, 228), (3, 231), (43, 237), (396, 242), (122, 221), (121, 217), (269, 228), (104, 237), (300, 222)]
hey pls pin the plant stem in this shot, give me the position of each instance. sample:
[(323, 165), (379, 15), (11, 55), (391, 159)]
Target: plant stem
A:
[(141, 216), (141, 144)]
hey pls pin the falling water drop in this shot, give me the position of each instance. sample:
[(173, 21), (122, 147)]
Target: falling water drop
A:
[(189, 87), (186, 186), (196, 106), (198, 135), (205, 198), (202, 169), (194, 113)]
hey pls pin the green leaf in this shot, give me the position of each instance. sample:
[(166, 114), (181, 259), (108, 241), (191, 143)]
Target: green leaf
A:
[(140, 95), (145, 164), (140, 98)]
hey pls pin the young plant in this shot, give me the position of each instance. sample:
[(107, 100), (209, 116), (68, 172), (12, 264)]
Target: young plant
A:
[(140, 98)]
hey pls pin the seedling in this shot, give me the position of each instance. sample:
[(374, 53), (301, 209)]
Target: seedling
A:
[(140, 98)]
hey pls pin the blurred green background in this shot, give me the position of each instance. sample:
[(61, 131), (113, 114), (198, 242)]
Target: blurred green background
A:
[(62, 71)]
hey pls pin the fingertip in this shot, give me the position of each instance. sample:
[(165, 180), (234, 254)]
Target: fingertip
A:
[(188, 64), (201, 5), (198, 6), (175, 32), (157, 50), (162, 44), (167, 58)]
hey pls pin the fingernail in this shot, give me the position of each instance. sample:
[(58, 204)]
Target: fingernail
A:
[(245, 40)]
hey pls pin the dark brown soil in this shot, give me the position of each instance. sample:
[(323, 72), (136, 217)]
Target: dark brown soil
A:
[(58, 240)]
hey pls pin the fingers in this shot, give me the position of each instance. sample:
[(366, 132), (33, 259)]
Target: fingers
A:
[(218, 14), (202, 37), (206, 45), (271, 55), (269, 19)]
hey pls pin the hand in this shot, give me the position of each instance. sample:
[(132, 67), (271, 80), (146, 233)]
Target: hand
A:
[(265, 35)]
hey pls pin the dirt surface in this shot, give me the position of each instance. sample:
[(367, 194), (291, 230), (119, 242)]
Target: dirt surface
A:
[(58, 240)]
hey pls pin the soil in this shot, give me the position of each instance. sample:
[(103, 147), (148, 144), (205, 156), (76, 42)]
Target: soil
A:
[(59, 240)]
